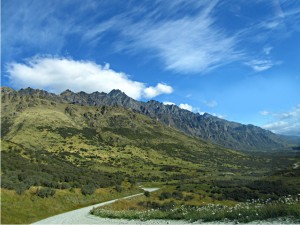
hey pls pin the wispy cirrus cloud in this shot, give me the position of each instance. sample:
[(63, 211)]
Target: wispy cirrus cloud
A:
[(190, 44), (287, 123), (211, 104), (58, 74), (185, 36), (261, 65), (34, 25)]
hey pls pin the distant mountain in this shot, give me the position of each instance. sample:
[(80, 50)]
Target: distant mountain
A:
[(219, 131)]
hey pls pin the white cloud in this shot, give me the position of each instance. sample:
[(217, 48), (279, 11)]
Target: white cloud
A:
[(264, 113), (220, 116), (186, 106), (186, 45), (169, 103), (59, 74), (284, 123), (267, 50), (151, 92), (210, 104), (261, 65)]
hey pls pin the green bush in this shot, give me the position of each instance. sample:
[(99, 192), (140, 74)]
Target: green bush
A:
[(118, 188), (188, 197), (45, 192), (20, 189), (88, 189), (165, 195), (177, 195)]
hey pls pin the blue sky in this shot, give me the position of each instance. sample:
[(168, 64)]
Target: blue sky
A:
[(239, 60)]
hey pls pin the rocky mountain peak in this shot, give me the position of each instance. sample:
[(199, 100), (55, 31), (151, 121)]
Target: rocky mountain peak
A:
[(67, 92), (116, 92)]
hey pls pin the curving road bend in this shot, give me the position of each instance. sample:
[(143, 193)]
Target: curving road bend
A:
[(82, 216)]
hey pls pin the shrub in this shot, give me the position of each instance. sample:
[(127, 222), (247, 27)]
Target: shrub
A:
[(65, 185), (188, 197), (147, 194), (240, 194), (88, 189), (168, 206), (45, 192), (165, 195), (177, 195), (118, 188), (20, 189)]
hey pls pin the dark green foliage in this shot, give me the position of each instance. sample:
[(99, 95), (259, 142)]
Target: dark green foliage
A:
[(240, 194), (5, 125), (64, 185), (118, 188), (170, 168), (188, 198), (67, 131), (21, 188), (49, 170), (271, 187), (165, 195), (88, 189), (147, 194), (45, 192), (177, 195)]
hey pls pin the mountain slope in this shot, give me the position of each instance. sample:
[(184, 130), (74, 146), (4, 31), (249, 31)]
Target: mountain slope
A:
[(219, 131)]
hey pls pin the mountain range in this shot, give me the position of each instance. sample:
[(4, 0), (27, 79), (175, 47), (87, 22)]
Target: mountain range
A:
[(213, 129)]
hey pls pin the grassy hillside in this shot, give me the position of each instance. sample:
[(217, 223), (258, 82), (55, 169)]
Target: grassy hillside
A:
[(110, 140), (50, 147)]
